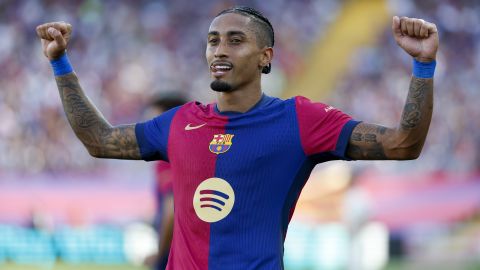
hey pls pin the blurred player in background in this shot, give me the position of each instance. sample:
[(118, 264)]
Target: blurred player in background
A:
[(163, 221), (239, 164)]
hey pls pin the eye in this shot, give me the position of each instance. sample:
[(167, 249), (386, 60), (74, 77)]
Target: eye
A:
[(212, 41), (235, 40)]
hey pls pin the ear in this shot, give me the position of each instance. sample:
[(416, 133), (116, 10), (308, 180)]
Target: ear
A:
[(266, 57)]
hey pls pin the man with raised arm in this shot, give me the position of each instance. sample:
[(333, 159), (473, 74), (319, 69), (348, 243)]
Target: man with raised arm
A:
[(239, 164)]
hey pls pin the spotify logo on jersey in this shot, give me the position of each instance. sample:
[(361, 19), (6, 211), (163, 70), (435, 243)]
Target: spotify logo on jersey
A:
[(213, 199)]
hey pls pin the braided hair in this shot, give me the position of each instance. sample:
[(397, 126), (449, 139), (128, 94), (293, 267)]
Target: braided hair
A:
[(264, 27)]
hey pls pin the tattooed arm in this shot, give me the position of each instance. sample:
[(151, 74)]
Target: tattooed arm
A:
[(101, 139), (368, 141)]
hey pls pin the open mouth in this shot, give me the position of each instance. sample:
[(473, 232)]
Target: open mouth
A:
[(220, 68)]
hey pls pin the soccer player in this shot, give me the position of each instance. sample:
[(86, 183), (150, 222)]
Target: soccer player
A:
[(239, 164), (163, 221)]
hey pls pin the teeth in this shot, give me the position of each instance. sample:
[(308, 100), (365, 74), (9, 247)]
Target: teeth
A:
[(222, 67)]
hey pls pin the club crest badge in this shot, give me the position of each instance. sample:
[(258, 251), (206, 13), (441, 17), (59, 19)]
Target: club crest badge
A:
[(221, 143)]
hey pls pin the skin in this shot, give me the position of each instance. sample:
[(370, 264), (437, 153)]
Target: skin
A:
[(99, 137), (232, 38), (374, 142)]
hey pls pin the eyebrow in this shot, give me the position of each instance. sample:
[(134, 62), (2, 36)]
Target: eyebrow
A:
[(229, 33)]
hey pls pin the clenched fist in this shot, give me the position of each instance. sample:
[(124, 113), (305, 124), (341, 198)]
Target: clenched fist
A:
[(417, 37), (54, 37)]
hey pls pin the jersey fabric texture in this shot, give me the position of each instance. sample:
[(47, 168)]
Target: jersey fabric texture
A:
[(237, 176)]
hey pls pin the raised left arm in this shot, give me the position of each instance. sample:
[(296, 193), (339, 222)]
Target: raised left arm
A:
[(370, 141), (374, 142)]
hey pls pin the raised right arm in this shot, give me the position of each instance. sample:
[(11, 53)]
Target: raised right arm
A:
[(101, 139)]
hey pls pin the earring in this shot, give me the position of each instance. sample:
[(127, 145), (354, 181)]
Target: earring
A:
[(267, 69)]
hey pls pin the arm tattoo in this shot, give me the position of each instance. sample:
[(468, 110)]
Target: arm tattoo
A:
[(412, 112), (364, 144), (83, 117), (376, 142), (100, 138)]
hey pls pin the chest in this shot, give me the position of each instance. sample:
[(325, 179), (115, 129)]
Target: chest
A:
[(246, 164), (239, 147)]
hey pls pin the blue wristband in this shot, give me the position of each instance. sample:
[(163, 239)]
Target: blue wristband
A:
[(423, 70), (61, 66)]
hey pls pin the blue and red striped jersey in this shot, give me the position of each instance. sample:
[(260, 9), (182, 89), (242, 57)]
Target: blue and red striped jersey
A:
[(237, 176)]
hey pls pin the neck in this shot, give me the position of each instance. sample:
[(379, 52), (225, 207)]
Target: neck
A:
[(239, 100)]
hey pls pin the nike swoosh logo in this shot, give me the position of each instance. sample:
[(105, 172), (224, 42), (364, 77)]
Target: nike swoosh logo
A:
[(189, 127)]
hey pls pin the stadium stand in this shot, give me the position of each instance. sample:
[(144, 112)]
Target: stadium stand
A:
[(149, 45)]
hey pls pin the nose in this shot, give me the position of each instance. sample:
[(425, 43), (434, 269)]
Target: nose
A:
[(221, 50)]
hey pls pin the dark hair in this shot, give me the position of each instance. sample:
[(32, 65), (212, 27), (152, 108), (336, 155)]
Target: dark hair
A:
[(264, 27), (168, 100)]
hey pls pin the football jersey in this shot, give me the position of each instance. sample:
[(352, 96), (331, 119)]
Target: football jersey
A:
[(237, 176)]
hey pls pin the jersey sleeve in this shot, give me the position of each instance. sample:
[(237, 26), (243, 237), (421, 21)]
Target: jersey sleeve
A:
[(152, 136), (324, 130)]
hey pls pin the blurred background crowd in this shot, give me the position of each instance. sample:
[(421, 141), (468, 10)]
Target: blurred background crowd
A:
[(374, 87), (126, 52), (123, 51)]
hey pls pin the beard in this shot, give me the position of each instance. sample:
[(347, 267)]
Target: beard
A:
[(221, 86)]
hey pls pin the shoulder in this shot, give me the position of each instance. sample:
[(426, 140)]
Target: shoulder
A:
[(302, 101), (193, 107), (196, 107), (305, 105), (308, 111)]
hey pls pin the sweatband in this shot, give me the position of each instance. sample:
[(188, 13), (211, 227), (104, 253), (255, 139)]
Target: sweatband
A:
[(61, 66), (423, 70)]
